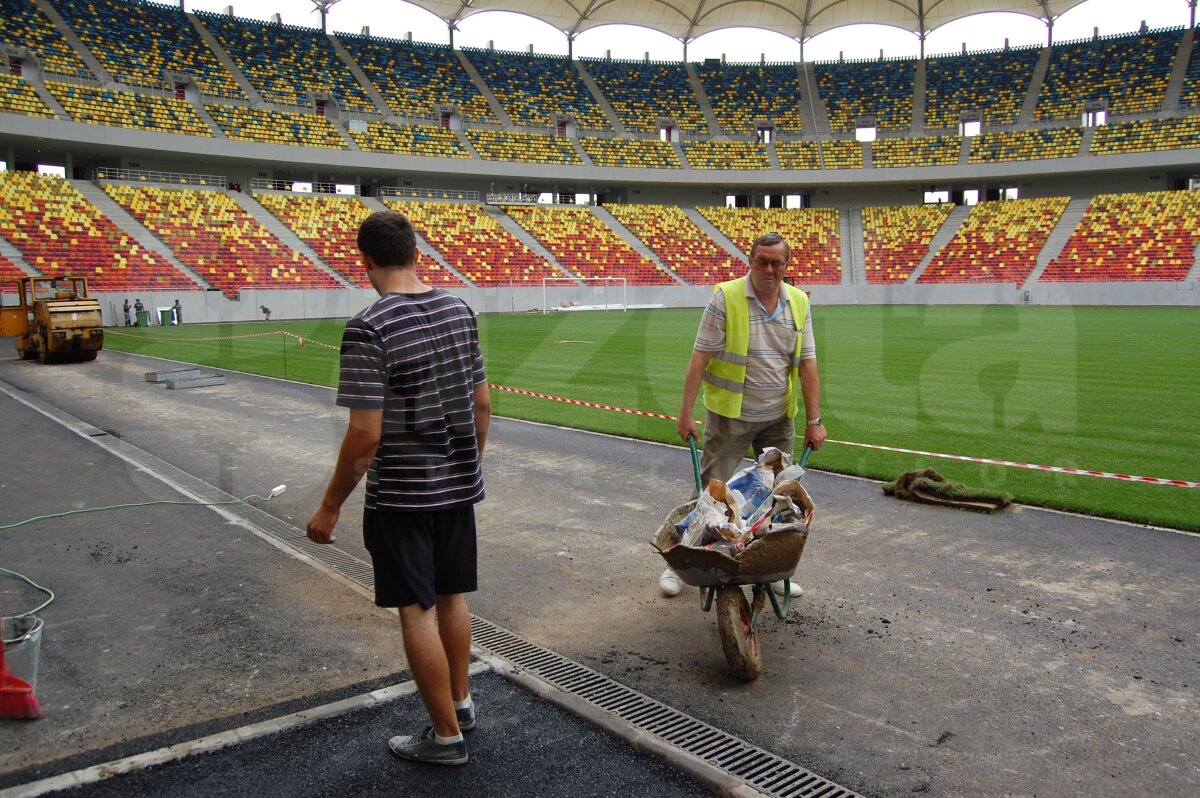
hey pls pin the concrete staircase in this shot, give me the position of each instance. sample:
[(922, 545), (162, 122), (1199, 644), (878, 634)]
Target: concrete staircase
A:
[(940, 239), (225, 60), (854, 256), (613, 120), (1085, 145), (964, 155), (1035, 87), (275, 227), (716, 235), (678, 147), (77, 45), (1193, 274), (1058, 238), (484, 89), (14, 255), (710, 116), (812, 108), (1179, 70), (380, 103), (918, 112), (136, 230), (526, 238), (426, 249), (772, 155), (635, 243)]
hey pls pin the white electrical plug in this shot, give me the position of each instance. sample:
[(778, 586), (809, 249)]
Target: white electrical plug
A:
[(275, 491)]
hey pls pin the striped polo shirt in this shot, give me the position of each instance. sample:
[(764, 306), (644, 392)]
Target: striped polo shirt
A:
[(769, 356), (416, 357)]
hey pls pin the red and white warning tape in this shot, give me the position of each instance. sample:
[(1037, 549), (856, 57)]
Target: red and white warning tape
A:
[(1178, 483)]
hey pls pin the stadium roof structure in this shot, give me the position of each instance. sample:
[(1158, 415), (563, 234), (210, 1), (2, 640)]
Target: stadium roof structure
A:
[(687, 20)]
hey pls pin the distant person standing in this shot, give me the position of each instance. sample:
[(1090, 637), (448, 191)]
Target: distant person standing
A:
[(139, 309), (177, 309), (266, 311), (412, 375), (128, 320)]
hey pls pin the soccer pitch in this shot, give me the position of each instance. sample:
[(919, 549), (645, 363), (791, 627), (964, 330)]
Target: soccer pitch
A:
[(1098, 388)]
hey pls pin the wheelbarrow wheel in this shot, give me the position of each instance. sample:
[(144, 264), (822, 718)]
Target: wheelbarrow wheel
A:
[(739, 639)]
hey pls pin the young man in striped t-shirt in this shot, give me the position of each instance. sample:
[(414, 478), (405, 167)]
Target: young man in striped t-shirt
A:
[(412, 376)]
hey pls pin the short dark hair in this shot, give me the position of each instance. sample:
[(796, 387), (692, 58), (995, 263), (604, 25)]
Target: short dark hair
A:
[(388, 239), (770, 240)]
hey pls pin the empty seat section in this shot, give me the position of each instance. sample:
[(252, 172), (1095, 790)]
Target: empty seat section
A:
[(1130, 71), (136, 42), (1026, 145), (745, 96), (1146, 135), (215, 237), (918, 151), (725, 155), (418, 79), (585, 245), (1131, 237), (285, 63), (425, 140), (883, 90), (538, 89), (842, 154), (992, 84), (998, 242), (9, 271), (679, 243), (475, 244), (503, 145), (812, 235), (276, 127), (801, 154), (645, 94), (644, 153), (22, 24), (95, 106), (18, 97), (59, 232), (896, 239)]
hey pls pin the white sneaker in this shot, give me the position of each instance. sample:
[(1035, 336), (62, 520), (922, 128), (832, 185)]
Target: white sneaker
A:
[(670, 583), (796, 590)]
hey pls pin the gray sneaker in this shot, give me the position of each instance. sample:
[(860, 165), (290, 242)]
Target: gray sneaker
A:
[(423, 748), (466, 718)]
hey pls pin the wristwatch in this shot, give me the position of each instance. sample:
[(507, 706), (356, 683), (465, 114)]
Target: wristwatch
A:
[(814, 422)]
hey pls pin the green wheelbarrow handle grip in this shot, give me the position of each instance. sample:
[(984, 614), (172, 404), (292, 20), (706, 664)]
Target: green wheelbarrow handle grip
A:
[(808, 450), (695, 463)]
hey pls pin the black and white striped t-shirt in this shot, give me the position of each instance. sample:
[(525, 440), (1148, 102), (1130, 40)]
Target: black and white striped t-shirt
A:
[(416, 357)]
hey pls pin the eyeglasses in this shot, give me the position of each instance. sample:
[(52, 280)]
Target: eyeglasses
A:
[(762, 263)]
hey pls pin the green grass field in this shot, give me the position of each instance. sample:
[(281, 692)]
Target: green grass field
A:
[(1102, 388)]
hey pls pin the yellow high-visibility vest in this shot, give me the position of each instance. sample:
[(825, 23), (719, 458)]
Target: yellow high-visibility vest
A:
[(725, 374)]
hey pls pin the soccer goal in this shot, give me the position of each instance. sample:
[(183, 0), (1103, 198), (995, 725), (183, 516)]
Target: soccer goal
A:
[(584, 293)]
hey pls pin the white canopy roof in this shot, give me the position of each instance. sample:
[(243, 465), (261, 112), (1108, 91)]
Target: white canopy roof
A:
[(687, 20)]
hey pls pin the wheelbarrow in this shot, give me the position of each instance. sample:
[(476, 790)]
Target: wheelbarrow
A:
[(721, 577)]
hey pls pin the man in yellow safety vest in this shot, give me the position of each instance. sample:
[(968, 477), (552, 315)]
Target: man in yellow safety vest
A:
[(754, 348)]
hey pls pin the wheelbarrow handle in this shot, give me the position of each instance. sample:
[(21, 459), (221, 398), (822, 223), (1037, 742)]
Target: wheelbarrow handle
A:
[(695, 462), (808, 449)]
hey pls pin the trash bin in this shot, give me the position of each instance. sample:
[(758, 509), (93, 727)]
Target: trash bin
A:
[(143, 318), (22, 646), (166, 317)]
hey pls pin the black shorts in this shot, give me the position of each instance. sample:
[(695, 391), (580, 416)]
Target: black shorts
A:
[(418, 556)]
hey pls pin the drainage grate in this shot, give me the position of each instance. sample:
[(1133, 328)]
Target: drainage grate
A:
[(766, 772)]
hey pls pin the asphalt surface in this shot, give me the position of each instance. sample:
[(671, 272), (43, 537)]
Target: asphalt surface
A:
[(936, 652)]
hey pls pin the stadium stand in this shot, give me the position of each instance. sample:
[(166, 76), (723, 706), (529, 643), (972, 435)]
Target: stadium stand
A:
[(918, 151), (679, 243), (645, 93), (1189, 95), (417, 79), (896, 239), (998, 242), (585, 245), (216, 238), (1131, 71), (59, 232), (994, 84), (882, 89), (801, 154), (1026, 145), (474, 243), (23, 23), (1131, 237), (841, 154), (725, 155), (276, 127), (18, 97), (745, 95), (284, 63), (503, 145), (128, 109), (136, 42), (538, 89), (811, 233), (431, 142), (1146, 135), (645, 153)]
